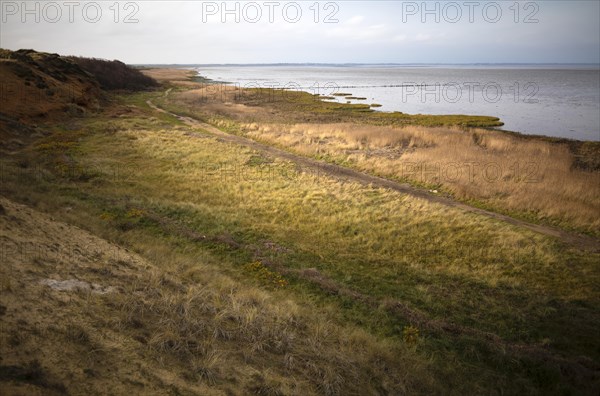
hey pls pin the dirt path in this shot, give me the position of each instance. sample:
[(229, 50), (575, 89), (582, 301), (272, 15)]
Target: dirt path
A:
[(579, 241)]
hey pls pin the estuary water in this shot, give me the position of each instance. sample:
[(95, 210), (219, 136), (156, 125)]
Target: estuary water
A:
[(551, 100)]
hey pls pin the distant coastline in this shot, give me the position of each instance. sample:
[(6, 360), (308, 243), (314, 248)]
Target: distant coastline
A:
[(576, 66), (554, 100)]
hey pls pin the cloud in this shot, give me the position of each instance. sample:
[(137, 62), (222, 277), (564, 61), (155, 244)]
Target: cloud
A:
[(422, 37), (366, 32), (355, 20)]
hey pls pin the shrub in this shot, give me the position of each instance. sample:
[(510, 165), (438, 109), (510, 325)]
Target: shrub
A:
[(115, 75)]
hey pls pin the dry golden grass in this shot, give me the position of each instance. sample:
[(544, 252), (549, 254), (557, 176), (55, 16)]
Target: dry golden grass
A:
[(200, 174), (387, 293), (507, 172), (167, 74), (533, 178), (175, 324)]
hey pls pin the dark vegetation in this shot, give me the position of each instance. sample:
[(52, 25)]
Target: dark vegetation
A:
[(111, 75), (54, 65), (115, 75), (38, 87)]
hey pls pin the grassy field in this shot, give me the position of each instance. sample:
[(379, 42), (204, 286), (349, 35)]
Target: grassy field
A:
[(270, 278), (549, 181)]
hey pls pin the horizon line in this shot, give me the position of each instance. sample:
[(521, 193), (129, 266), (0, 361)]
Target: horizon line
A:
[(375, 64)]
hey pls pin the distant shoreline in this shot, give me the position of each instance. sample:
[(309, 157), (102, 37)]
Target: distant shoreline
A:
[(520, 118), (530, 66)]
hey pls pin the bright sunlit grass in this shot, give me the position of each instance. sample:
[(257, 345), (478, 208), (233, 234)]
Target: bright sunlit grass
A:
[(288, 268)]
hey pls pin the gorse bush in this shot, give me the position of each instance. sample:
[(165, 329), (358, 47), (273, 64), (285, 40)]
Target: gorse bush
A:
[(269, 277)]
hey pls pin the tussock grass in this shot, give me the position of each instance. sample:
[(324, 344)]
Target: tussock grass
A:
[(542, 180), (227, 330), (183, 323), (533, 177), (383, 292)]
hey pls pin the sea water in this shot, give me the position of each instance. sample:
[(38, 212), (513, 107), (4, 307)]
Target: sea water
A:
[(552, 100)]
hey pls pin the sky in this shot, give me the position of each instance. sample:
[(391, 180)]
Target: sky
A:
[(358, 31)]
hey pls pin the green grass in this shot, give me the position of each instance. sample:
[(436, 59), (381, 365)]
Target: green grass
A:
[(294, 106), (301, 108), (304, 102), (352, 251)]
